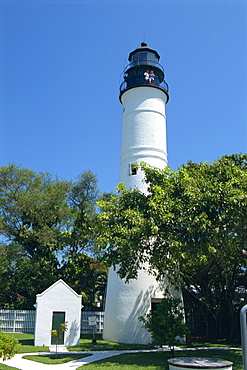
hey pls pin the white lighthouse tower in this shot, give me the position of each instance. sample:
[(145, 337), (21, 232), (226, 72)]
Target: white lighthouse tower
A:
[(144, 94)]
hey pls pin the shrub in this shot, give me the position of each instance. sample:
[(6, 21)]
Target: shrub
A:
[(9, 346), (166, 323)]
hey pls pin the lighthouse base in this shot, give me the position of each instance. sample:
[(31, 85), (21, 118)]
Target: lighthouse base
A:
[(125, 303)]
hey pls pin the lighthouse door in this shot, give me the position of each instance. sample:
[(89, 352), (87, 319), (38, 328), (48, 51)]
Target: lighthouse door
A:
[(154, 303)]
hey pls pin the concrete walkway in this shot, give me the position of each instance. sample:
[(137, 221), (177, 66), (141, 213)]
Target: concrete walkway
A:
[(23, 364)]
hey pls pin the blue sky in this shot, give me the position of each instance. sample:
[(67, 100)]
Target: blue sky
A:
[(60, 70)]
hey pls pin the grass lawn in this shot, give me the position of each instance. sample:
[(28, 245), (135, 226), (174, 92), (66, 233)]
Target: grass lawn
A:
[(5, 367), (132, 361), (158, 360), (53, 359), (27, 341), (86, 345)]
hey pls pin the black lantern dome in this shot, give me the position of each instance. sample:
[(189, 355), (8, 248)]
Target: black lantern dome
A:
[(143, 61)]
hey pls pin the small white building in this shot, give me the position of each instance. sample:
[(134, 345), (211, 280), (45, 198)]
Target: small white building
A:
[(57, 305)]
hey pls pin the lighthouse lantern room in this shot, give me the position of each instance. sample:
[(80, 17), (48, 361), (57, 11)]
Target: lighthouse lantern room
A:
[(141, 60)]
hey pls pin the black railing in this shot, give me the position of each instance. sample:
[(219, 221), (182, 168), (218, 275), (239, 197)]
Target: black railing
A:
[(140, 80)]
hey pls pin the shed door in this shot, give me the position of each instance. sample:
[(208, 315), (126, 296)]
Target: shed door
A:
[(57, 319)]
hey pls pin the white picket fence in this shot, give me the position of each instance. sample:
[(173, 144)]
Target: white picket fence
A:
[(24, 321), (17, 321)]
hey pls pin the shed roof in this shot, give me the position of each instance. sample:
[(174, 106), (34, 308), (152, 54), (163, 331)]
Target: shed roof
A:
[(58, 282)]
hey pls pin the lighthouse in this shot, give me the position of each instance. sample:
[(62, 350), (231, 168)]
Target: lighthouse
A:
[(143, 95)]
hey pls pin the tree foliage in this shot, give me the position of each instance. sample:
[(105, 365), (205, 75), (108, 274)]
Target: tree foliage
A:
[(80, 270), (190, 228), (32, 209), (86, 276), (46, 228), (82, 198)]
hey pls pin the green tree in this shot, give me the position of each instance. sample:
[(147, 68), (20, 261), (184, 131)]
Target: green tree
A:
[(166, 323), (46, 225), (190, 227), (82, 201), (33, 211), (10, 255), (33, 208), (86, 276), (58, 333), (80, 268)]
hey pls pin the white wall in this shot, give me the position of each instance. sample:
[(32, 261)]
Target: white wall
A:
[(58, 297), (143, 132), (125, 303)]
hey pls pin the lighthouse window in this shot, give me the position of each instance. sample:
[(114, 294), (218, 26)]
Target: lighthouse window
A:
[(142, 57), (135, 58), (133, 169)]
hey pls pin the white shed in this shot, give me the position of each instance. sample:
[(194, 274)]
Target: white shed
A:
[(57, 305)]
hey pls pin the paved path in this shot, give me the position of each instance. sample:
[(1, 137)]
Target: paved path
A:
[(23, 364)]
